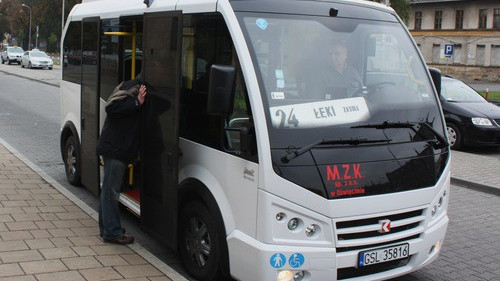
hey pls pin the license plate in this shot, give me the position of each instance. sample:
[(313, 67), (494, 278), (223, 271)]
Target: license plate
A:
[(383, 254)]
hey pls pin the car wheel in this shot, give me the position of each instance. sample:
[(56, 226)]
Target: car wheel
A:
[(1, 59), (22, 65), (454, 136), (50, 68), (8, 61), (200, 242), (71, 159)]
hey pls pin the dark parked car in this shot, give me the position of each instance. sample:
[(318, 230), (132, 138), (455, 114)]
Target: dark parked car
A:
[(470, 119)]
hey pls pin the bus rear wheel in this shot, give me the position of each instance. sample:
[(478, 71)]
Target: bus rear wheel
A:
[(200, 242), (72, 160)]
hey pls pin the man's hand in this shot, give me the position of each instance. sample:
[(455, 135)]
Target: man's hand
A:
[(142, 94)]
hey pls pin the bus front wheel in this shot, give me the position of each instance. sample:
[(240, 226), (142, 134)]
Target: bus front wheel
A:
[(72, 160), (200, 242)]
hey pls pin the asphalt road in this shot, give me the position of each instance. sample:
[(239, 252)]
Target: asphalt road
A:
[(29, 122)]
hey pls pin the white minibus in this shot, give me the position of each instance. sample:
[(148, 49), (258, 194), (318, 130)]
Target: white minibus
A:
[(280, 139)]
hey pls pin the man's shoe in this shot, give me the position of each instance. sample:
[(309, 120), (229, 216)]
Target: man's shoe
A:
[(125, 239)]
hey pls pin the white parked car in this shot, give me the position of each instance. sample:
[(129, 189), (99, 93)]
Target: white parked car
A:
[(36, 59), (12, 54)]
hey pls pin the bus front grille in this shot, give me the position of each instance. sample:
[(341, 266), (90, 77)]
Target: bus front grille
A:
[(368, 232)]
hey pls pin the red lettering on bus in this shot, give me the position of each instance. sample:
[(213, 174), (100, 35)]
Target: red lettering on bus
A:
[(332, 175), (349, 171), (346, 171), (357, 173)]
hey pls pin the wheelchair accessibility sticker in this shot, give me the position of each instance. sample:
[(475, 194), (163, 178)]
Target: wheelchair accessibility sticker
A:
[(278, 260), (296, 260)]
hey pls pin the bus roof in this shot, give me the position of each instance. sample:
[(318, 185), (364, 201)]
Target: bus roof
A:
[(108, 8)]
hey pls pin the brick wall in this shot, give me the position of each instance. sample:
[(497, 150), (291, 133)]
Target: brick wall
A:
[(490, 74)]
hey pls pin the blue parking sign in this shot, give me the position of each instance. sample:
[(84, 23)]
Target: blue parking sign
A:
[(448, 49)]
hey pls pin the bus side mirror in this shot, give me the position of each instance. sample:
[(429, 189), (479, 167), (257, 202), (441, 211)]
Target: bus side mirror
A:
[(221, 90), (436, 78)]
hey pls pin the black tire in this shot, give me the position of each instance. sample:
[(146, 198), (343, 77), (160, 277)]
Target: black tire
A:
[(454, 136), (71, 158), (202, 244), (22, 65), (8, 61), (29, 65)]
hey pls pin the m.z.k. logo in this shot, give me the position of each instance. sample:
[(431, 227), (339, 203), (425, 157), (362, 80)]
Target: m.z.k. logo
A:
[(343, 172)]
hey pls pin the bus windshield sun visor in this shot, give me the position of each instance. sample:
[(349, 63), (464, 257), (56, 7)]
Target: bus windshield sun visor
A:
[(298, 152), (440, 141)]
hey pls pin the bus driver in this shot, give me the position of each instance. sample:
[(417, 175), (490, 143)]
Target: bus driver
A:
[(341, 79)]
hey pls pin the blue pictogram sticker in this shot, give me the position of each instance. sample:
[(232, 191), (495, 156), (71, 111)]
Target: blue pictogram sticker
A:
[(361, 259), (261, 23), (277, 260), (296, 260)]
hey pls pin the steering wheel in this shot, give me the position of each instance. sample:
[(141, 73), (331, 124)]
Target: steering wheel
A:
[(383, 84)]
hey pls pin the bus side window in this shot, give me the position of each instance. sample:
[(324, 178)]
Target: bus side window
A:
[(72, 56), (241, 116), (206, 41)]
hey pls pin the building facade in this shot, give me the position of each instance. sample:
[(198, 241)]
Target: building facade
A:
[(472, 27)]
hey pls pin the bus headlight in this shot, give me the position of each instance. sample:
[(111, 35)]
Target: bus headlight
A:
[(438, 206), (293, 223), (311, 230)]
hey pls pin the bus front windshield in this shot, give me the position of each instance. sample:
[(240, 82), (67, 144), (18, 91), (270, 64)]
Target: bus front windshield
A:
[(330, 78)]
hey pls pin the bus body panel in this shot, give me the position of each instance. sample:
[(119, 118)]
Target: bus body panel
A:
[(195, 6), (108, 9), (70, 112), (353, 206), (228, 178)]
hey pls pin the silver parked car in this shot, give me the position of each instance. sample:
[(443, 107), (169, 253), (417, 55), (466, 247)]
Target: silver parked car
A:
[(36, 59), (12, 54)]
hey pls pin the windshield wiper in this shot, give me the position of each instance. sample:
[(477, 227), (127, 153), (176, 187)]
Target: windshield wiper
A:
[(441, 140), (298, 152)]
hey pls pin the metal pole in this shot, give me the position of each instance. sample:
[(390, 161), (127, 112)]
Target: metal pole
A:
[(29, 40), (36, 38), (62, 20), (29, 35)]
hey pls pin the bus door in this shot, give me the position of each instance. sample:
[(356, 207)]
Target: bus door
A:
[(160, 134), (90, 103)]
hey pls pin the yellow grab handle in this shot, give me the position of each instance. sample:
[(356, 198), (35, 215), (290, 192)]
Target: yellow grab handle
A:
[(130, 174)]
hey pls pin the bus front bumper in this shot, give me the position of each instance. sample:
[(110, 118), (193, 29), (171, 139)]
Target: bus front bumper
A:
[(251, 260)]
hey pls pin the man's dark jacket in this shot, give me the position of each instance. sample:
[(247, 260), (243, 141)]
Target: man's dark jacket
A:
[(120, 134)]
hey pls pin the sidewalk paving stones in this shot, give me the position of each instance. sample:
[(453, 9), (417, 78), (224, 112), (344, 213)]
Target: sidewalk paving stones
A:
[(48, 234)]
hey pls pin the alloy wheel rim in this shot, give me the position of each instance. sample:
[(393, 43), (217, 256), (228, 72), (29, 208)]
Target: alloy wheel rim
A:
[(198, 241), (71, 159)]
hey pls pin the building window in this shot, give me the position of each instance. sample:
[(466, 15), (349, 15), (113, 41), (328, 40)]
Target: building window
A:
[(483, 15), (480, 54), (496, 18), (438, 18), (418, 20), (459, 19)]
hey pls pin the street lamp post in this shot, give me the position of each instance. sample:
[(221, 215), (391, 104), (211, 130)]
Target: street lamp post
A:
[(29, 35)]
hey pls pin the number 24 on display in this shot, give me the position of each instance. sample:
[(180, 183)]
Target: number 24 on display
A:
[(291, 120)]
